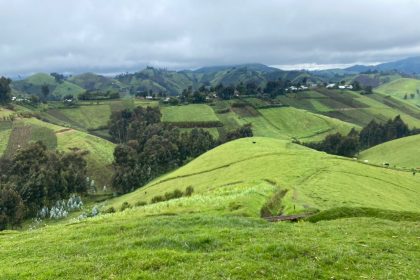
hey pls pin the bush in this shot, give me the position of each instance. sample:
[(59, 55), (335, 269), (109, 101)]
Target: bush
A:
[(157, 199), (189, 191), (125, 205), (172, 195), (140, 203), (110, 210)]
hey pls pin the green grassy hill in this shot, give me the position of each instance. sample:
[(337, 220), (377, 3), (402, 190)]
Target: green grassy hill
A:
[(243, 170), (92, 81), (402, 153), (22, 131), (404, 89), (217, 233), (33, 84)]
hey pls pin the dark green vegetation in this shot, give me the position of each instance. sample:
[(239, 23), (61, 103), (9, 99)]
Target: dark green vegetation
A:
[(371, 135), (35, 177), (149, 148), (5, 90)]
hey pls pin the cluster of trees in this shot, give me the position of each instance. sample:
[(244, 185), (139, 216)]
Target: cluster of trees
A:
[(373, 134), (59, 78), (149, 148), (226, 92), (5, 90), (96, 95), (34, 178)]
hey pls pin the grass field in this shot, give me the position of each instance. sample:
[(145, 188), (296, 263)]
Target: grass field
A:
[(128, 246), (5, 131), (303, 124), (352, 107), (217, 233), (400, 88), (314, 180), (402, 153), (188, 113), (90, 115)]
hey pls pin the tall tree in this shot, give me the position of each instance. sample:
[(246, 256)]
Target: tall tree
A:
[(45, 91), (5, 90)]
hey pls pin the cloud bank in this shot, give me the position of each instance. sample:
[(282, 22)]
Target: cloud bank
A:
[(125, 35)]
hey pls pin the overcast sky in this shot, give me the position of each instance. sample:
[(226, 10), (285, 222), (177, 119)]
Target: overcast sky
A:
[(125, 35)]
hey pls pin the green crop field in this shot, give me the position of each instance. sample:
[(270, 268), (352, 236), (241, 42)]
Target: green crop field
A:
[(404, 89), (402, 153), (89, 117), (188, 113), (217, 233), (289, 122), (303, 124)]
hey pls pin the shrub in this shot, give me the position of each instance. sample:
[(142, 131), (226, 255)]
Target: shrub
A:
[(189, 191), (140, 203), (110, 210), (157, 199), (125, 205), (172, 195)]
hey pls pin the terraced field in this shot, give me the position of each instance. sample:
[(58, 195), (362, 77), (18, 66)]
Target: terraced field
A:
[(352, 107)]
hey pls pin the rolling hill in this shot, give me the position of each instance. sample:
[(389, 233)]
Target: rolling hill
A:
[(404, 89), (313, 180), (21, 131), (32, 85), (401, 153), (217, 233)]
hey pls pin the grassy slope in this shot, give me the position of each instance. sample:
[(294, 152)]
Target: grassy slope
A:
[(303, 124), (33, 85), (100, 151), (90, 114), (403, 152), (400, 87), (314, 179), (217, 241), (353, 107), (289, 122), (188, 113)]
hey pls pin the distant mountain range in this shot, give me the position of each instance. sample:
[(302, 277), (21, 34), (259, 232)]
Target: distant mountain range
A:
[(409, 65), (174, 82)]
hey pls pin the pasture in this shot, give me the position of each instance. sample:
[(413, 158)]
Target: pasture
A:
[(400, 153), (217, 233), (404, 89)]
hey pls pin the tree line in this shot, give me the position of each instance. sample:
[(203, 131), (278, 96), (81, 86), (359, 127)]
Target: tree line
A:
[(36, 177), (148, 148), (371, 135)]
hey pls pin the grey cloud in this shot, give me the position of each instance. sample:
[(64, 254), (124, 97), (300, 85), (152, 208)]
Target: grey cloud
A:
[(95, 35)]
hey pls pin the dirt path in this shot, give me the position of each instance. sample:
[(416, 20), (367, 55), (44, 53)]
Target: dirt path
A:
[(282, 218), (64, 130)]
